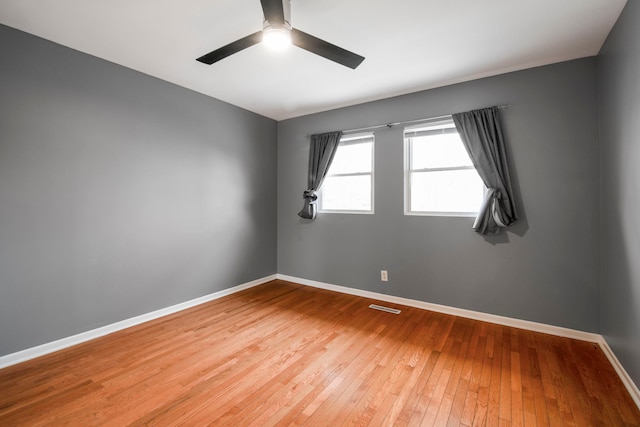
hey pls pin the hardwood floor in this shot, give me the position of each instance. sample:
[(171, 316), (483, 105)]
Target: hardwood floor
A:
[(286, 354)]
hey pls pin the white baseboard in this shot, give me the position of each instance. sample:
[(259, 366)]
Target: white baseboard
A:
[(491, 318), (469, 314), (50, 347), (41, 350), (632, 388)]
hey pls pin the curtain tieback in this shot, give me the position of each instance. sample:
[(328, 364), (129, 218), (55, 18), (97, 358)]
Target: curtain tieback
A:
[(496, 210), (310, 196)]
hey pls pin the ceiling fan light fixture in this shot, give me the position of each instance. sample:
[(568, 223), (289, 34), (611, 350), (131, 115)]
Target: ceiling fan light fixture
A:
[(278, 33), (276, 37)]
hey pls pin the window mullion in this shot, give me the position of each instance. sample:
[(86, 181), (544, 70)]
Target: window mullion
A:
[(443, 169), (337, 175)]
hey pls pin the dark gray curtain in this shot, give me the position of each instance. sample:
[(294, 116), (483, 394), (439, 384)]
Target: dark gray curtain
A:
[(321, 153), (481, 133)]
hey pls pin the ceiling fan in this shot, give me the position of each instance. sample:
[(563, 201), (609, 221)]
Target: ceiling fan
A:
[(277, 25)]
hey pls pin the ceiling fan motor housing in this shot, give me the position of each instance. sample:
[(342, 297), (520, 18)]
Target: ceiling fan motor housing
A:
[(277, 28)]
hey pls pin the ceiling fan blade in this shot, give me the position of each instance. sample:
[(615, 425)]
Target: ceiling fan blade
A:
[(325, 49), (231, 48), (273, 11)]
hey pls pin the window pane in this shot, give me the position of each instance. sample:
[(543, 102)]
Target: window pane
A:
[(446, 191), (438, 151), (352, 158), (349, 193)]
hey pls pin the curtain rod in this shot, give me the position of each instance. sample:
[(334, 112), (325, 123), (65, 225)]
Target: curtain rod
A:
[(390, 125)]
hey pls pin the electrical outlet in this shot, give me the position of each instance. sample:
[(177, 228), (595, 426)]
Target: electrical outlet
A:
[(384, 276)]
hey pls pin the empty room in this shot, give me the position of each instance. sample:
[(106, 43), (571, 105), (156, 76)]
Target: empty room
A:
[(319, 212)]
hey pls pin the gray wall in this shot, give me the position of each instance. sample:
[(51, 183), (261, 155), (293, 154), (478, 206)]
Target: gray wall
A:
[(545, 269), (120, 194), (619, 92)]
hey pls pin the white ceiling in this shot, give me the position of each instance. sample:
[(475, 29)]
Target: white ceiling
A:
[(409, 45)]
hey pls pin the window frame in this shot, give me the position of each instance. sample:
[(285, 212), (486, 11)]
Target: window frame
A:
[(441, 125), (352, 139)]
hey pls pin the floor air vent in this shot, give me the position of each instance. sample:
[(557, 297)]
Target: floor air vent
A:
[(383, 308)]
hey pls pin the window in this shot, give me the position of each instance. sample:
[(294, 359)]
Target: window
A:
[(439, 176), (348, 186)]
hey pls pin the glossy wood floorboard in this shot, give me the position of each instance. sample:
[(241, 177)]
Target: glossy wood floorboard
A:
[(286, 354)]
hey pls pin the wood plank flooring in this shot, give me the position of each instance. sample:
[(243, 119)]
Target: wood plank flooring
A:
[(286, 354)]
